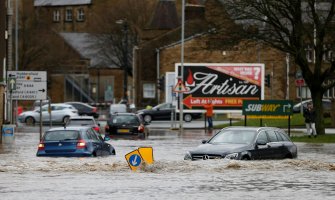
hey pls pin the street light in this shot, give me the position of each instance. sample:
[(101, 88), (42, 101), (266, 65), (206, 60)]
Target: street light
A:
[(124, 23)]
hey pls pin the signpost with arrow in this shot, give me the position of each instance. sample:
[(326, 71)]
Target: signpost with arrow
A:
[(28, 85)]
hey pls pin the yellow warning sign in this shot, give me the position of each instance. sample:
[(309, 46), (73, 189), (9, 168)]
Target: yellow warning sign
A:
[(147, 154), (180, 87), (134, 159)]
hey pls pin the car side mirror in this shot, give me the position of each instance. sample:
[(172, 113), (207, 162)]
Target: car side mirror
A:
[(99, 124), (261, 142), (107, 138), (204, 141)]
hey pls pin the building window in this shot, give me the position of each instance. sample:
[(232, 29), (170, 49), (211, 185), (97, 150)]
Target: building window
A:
[(80, 15), (68, 14), (149, 90), (56, 16), (309, 53)]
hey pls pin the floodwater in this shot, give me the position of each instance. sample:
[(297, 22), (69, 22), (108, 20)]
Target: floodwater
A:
[(25, 176)]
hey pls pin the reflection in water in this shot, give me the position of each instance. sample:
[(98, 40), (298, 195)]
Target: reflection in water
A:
[(311, 176)]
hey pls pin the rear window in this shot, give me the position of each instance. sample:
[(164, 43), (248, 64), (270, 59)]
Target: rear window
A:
[(61, 135), (124, 119)]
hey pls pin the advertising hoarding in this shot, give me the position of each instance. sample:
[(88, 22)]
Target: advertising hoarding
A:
[(226, 85)]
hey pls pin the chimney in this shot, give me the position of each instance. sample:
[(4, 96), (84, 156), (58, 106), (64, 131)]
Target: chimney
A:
[(165, 15), (194, 9)]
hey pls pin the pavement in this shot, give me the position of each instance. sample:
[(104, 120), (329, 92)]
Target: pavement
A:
[(201, 125)]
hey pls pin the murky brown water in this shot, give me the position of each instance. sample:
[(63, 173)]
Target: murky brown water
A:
[(25, 176)]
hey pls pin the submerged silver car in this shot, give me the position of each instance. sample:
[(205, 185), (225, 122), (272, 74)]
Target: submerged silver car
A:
[(245, 143), (60, 113)]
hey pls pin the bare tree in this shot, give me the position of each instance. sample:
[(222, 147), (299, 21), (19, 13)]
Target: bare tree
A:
[(291, 26), (118, 30)]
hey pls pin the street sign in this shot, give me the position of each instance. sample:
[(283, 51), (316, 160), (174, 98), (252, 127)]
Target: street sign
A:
[(12, 83), (147, 154), (134, 159), (29, 85), (267, 107), (300, 82)]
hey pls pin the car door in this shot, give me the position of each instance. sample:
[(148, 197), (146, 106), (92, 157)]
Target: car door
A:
[(275, 145), (262, 150), (45, 114), (163, 112), (96, 142)]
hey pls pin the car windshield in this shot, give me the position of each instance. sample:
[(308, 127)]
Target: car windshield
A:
[(61, 135), (163, 106), (80, 122), (124, 119), (234, 137)]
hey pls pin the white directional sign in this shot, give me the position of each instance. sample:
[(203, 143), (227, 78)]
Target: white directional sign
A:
[(30, 85)]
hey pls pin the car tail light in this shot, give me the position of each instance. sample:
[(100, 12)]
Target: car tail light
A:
[(106, 127), (96, 128), (81, 144), (94, 109), (41, 146), (141, 129)]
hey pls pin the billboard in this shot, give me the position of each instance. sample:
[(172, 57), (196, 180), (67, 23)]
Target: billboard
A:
[(225, 84)]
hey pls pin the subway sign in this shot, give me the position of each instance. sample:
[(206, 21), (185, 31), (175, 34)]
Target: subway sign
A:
[(267, 107), (226, 85)]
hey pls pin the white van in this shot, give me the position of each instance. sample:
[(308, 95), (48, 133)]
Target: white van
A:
[(117, 108)]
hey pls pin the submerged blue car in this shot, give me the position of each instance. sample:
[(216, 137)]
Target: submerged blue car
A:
[(74, 141)]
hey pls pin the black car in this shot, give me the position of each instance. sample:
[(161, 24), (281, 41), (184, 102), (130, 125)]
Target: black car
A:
[(74, 141), (246, 143), (163, 112), (85, 109), (126, 124)]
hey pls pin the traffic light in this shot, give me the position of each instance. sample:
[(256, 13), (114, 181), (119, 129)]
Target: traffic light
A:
[(268, 80), (161, 83)]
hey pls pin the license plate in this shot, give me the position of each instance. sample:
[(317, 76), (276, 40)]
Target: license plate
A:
[(123, 130)]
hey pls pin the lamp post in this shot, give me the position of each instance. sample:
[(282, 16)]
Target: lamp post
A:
[(125, 27)]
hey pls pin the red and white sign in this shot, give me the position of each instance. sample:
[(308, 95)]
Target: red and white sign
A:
[(300, 82), (225, 84)]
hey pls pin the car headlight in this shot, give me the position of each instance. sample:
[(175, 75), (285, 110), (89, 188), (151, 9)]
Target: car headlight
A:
[(188, 156), (232, 156)]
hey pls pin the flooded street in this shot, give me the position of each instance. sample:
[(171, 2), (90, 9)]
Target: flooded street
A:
[(25, 176)]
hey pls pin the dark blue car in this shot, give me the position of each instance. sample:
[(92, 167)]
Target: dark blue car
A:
[(74, 141)]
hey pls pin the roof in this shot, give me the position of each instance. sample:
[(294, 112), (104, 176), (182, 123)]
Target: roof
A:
[(165, 15), (88, 47), (69, 128), (82, 117), (61, 2)]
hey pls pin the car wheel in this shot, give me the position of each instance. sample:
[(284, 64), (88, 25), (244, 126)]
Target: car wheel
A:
[(188, 117), (66, 119), (147, 118), (30, 120)]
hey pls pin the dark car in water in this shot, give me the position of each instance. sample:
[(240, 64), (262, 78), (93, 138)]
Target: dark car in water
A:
[(126, 124), (245, 143), (163, 112), (74, 141), (85, 109)]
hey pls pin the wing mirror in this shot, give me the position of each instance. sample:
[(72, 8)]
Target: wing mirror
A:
[(204, 141), (107, 138)]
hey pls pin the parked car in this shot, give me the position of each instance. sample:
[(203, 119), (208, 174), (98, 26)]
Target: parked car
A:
[(246, 143), (85, 109), (60, 113), (163, 112), (84, 121), (126, 123), (74, 141), (326, 103)]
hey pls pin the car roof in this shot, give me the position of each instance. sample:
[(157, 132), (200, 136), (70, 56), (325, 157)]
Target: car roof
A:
[(70, 128), (82, 117), (250, 128), (124, 114)]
